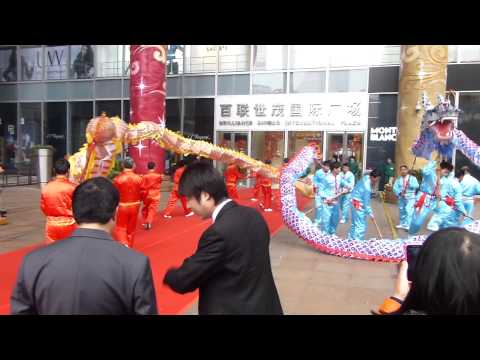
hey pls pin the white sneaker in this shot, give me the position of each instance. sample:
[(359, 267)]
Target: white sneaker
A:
[(399, 226), (189, 214), (342, 221), (432, 229), (167, 216), (268, 210), (253, 199)]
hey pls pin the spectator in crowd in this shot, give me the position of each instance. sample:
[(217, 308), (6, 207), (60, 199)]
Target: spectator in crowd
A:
[(231, 265), (446, 278), (388, 172), (3, 212), (56, 204), (352, 163), (88, 273)]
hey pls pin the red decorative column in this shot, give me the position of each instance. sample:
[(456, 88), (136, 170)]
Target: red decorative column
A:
[(147, 100)]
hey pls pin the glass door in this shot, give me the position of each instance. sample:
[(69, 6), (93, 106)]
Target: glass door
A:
[(343, 146)]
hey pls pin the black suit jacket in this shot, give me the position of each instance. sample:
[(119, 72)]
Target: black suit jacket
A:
[(88, 273), (231, 266)]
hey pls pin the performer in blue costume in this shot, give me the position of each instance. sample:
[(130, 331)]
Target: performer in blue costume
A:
[(470, 188), (405, 188), (329, 196), (319, 192), (347, 184), (450, 206), (425, 201), (361, 198), (436, 219)]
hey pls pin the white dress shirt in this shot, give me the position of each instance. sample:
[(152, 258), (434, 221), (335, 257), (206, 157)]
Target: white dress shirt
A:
[(218, 208)]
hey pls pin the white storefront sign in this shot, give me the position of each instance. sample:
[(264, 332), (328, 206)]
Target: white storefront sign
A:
[(298, 112), (383, 134)]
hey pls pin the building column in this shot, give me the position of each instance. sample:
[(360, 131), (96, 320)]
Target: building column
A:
[(148, 91), (423, 68)]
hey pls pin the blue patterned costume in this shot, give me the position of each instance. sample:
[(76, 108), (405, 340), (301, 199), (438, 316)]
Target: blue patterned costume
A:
[(347, 182), (425, 195), (330, 185), (449, 214), (319, 194), (405, 188), (470, 188), (362, 195)]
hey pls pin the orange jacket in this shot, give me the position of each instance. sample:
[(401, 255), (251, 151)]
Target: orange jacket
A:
[(232, 174), (151, 184), (177, 176), (129, 186), (56, 197)]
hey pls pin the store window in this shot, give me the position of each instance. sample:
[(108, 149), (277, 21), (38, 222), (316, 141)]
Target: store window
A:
[(56, 58), (309, 56), (198, 119), (469, 53), (275, 83), (29, 132), (354, 55), (8, 64), (31, 63), (269, 57), (173, 114), (299, 139), (126, 111), (233, 84), (81, 113), (307, 82), (8, 135), (469, 124), (56, 127), (268, 145), (126, 60), (111, 107), (199, 85), (201, 58), (175, 55), (237, 141), (234, 58), (452, 53), (348, 80), (82, 62), (109, 60)]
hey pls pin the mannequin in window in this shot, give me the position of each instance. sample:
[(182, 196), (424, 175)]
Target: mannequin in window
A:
[(83, 65), (10, 73)]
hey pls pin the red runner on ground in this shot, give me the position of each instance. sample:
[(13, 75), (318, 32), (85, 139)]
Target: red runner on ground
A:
[(167, 244)]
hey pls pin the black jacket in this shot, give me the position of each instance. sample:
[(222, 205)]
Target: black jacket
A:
[(231, 266), (88, 273)]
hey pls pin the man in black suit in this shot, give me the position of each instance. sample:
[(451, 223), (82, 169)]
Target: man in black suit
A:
[(231, 266), (88, 273)]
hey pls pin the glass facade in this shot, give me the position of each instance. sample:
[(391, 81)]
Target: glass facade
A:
[(49, 92)]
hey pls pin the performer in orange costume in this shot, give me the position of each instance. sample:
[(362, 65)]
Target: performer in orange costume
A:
[(175, 196), (151, 194), (129, 185), (56, 204), (266, 186), (258, 187), (232, 175)]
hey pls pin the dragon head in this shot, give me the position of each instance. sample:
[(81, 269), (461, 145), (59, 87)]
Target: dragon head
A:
[(437, 128)]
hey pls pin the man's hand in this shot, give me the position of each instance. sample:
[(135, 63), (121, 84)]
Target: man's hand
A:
[(402, 285)]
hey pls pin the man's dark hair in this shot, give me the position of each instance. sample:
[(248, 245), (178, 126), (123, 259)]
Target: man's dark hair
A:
[(268, 161), (285, 160), (465, 168), (128, 163), (151, 165), (202, 176), (352, 157), (446, 165), (95, 201), (346, 164), (374, 173), (446, 278), (404, 166), (62, 167), (459, 173), (334, 165), (326, 163)]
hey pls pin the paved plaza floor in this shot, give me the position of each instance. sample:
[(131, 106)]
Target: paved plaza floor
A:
[(308, 281)]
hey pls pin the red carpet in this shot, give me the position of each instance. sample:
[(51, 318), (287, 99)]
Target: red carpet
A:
[(168, 243)]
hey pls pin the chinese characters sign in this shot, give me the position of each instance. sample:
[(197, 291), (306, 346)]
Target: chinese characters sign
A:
[(333, 111)]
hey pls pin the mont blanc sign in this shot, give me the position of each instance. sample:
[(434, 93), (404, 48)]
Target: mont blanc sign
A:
[(322, 112)]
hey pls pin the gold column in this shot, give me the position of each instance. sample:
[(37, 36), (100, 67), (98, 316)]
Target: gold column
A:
[(423, 68)]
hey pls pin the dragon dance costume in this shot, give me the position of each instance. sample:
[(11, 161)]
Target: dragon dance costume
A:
[(361, 208), (405, 188), (347, 183), (470, 188), (151, 184), (331, 207), (319, 187)]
